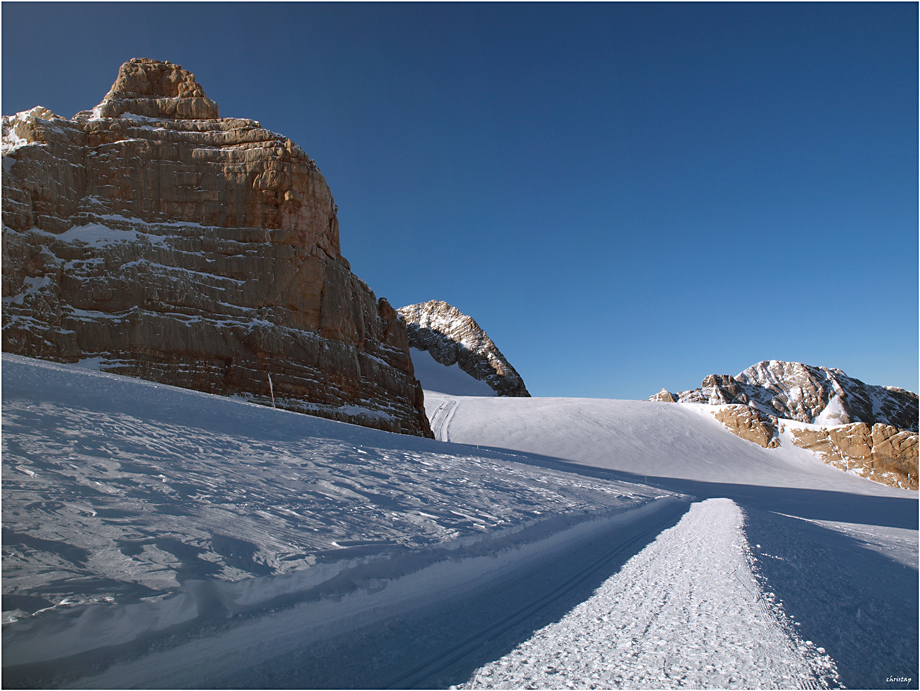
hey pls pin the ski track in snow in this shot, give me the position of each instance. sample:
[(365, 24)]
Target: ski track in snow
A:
[(685, 612), (442, 412)]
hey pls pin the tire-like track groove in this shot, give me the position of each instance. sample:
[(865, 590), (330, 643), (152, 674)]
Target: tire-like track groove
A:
[(424, 670)]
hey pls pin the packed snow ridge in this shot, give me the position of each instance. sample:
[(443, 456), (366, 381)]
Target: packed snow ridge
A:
[(692, 623)]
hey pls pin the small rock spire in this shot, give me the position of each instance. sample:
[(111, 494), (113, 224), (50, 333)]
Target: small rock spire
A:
[(157, 89)]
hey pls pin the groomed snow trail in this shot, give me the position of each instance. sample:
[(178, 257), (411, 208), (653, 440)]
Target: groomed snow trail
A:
[(685, 612)]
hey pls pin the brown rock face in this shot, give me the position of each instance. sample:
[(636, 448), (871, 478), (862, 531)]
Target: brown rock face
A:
[(453, 337), (202, 252), (881, 452), (749, 424)]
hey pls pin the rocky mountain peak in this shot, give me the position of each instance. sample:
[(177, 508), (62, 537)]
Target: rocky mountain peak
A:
[(156, 89), (154, 239), (452, 337), (795, 391), (850, 424)]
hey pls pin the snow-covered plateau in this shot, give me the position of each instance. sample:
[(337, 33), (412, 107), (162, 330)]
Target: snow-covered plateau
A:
[(159, 537)]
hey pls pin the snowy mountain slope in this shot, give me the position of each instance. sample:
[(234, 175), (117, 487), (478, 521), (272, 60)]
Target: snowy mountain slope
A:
[(639, 437), (840, 553), (870, 430), (449, 379), (132, 508)]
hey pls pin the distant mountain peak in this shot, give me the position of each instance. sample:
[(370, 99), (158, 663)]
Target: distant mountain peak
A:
[(854, 426), (452, 337), (796, 391)]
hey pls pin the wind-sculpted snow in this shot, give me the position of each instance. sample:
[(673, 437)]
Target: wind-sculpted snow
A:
[(158, 537), (131, 507)]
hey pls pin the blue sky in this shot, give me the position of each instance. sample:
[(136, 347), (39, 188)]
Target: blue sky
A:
[(625, 196)]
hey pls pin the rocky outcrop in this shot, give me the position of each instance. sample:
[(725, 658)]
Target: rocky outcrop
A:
[(452, 337), (750, 424), (881, 452), (164, 242), (854, 425), (664, 396), (800, 392)]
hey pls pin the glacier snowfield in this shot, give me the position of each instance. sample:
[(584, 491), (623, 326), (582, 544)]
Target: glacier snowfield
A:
[(157, 537)]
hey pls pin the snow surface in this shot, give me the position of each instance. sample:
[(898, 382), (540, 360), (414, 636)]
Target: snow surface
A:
[(97, 234), (446, 379), (157, 537), (835, 414), (645, 438)]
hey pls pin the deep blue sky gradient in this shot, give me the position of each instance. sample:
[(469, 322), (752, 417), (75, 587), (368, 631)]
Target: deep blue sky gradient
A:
[(625, 196)]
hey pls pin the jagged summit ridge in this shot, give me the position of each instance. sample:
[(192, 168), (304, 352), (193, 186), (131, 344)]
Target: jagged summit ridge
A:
[(796, 391), (452, 337), (158, 240)]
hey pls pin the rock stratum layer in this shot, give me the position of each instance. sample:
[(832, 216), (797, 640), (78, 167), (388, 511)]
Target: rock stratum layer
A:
[(452, 337), (858, 427), (879, 452), (161, 241)]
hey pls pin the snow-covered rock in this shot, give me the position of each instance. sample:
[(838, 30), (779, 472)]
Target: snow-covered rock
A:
[(795, 391), (163, 242), (453, 338)]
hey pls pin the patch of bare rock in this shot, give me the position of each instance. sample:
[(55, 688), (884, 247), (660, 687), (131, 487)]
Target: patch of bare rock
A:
[(162, 241), (858, 427), (452, 337), (750, 424), (881, 452)]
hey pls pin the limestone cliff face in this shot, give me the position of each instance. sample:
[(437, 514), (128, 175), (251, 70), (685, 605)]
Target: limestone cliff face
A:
[(167, 243), (453, 337), (880, 452), (849, 424), (749, 423)]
